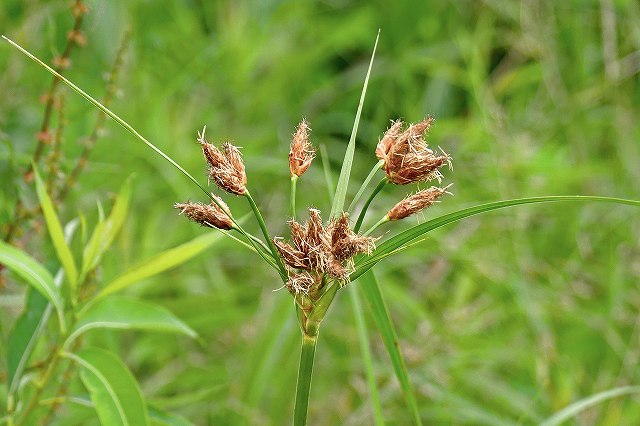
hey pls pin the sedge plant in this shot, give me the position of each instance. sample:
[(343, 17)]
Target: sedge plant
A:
[(324, 255)]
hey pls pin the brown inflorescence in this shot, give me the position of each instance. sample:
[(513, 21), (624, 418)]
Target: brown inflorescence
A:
[(416, 202), (226, 167), (302, 153), (406, 155), (318, 249), (209, 215)]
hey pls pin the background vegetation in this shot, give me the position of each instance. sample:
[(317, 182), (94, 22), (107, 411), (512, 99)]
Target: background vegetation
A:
[(503, 319)]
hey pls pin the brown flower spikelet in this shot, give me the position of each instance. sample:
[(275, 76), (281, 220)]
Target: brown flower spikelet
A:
[(321, 249), (301, 282), (209, 215), (301, 153), (415, 203), (407, 157), (226, 167)]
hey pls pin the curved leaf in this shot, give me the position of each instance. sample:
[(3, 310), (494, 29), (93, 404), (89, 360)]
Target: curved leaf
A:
[(114, 391), (56, 234), (106, 231), (364, 263), (371, 290), (24, 336), (579, 406), (127, 314), (34, 274), (161, 262)]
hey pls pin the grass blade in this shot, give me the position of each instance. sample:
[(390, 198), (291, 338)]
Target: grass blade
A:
[(371, 290), (161, 262), (123, 313), (345, 172), (35, 275), (583, 404), (57, 235), (365, 263), (114, 391), (363, 339)]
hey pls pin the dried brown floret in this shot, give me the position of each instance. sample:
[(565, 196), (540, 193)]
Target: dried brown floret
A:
[(209, 215), (416, 202), (226, 167), (301, 282), (301, 154)]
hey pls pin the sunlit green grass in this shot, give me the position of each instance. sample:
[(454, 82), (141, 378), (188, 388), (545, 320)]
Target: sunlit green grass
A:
[(505, 318)]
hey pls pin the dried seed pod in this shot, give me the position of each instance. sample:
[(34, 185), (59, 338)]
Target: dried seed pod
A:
[(226, 167), (416, 202), (209, 215), (301, 153)]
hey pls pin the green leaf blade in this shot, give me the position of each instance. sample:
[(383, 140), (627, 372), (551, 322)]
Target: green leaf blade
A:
[(343, 181), (161, 262), (34, 274), (114, 391), (364, 263), (117, 312), (371, 290), (55, 233), (106, 231)]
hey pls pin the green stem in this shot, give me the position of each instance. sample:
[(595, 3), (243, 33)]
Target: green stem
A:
[(363, 212), (265, 233), (364, 185), (292, 201), (305, 372), (385, 219)]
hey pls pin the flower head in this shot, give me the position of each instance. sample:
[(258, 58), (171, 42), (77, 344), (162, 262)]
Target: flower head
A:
[(406, 155), (416, 202), (301, 154), (320, 249), (209, 215), (226, 167)]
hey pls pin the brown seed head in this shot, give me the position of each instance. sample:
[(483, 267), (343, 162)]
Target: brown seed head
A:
[(407, 157), (416, 202), (302, 153), (209, 215), (319, 249), (226, 167), (300, 283)]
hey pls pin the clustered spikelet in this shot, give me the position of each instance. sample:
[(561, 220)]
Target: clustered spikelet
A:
[(414, 203), (302, 153), (406, 155), (226, 167), (209, 215), (319, 249)]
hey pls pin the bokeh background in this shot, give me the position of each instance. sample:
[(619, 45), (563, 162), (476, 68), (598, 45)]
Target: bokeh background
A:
[(503, 318)]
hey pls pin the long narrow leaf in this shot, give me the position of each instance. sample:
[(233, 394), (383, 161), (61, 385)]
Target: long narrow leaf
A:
[(105, 232), (161, 262), (24, 336), (56, 234), (574, 409), (345, 172), (363, 338), (371, 290), (364, 263), (128, 314), (113, 389), (34, 274)]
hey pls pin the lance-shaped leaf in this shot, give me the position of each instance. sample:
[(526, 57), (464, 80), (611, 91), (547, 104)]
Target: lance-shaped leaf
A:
[(34, 274), (106, 230), (56, 234), (128, 314), (161, 262), (114, 391)]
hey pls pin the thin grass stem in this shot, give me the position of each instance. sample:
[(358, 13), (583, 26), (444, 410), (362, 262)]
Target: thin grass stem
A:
[(303, 386), (367, 203), (385, 219), (364, 185)]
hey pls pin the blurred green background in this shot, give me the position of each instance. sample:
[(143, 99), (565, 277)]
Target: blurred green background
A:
[(503, 318)]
